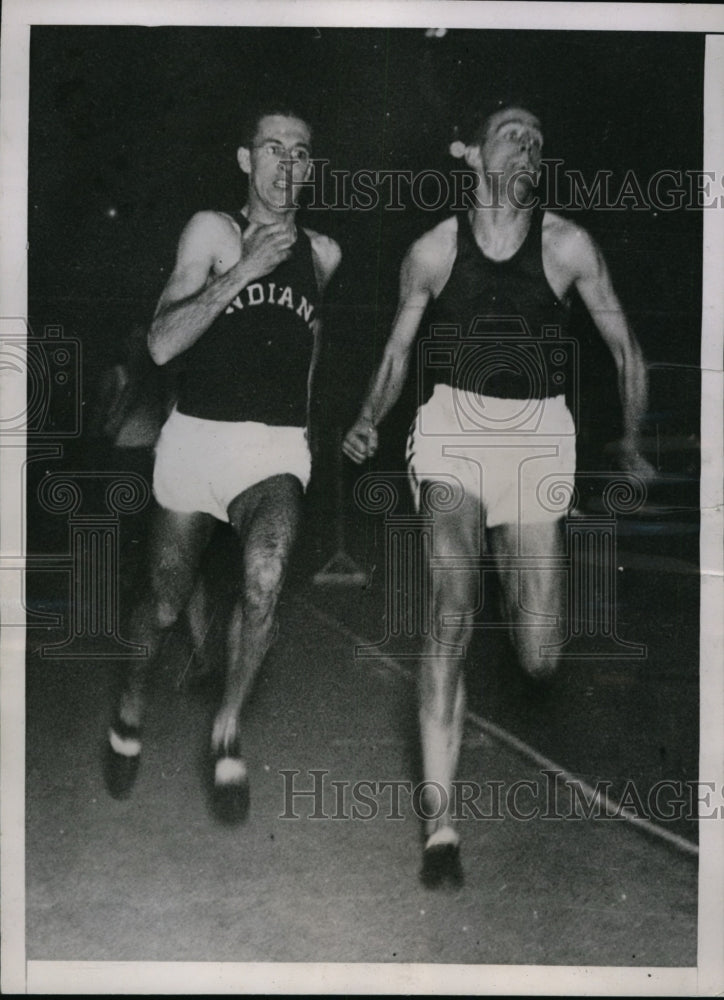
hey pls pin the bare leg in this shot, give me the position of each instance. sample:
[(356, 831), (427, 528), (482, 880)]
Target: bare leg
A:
[(176, 545), (534, 599), (266, 518), (442, 716), (198, 617), (455, 593)]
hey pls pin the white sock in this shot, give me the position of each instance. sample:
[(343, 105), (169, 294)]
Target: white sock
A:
[(445, 835), (126, 746), (229, 771)]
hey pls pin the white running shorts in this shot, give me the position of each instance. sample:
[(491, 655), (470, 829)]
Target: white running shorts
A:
[(517, 456), (202, 465)]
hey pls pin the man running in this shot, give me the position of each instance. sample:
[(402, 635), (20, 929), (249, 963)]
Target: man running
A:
[(500, 278), (241, 313)]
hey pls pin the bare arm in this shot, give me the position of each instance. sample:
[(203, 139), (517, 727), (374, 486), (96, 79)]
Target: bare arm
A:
[(326, 258), (389, 379), (593, 283), (207, 276)]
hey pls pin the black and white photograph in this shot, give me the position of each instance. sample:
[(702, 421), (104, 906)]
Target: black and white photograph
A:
[(361, 497)]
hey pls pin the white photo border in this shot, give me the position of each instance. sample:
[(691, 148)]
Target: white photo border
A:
[(90, 977)]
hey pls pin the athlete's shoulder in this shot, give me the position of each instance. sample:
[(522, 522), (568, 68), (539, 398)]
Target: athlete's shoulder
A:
[(430, 250), (207, 228), (207, 219), (437, 240), (567, 241), (560, 231), (326, 251)]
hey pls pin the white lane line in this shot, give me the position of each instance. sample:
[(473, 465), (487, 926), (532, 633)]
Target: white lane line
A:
[(593, 795)]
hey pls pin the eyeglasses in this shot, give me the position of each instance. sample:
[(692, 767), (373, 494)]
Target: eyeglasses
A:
[(275, 150), (517, 133)]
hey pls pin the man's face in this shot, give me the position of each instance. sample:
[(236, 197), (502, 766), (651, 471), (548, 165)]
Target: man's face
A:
[(278, 161), (513, 142)]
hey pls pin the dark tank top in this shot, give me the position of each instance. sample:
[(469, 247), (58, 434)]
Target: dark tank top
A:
[(253, 361), (497, 328)]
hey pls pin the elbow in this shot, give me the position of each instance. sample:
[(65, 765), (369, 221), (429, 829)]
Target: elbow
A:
[(158, 356), (156, 349)]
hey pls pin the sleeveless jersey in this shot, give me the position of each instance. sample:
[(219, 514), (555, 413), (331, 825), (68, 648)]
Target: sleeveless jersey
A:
[(497, 328), (253, 361)]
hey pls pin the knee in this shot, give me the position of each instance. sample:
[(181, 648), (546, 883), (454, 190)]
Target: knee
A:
[(538, 650), (166, 613), (171, 590), (165, 605), (453, 609), (155, 613), (539, 666), (263, 583)]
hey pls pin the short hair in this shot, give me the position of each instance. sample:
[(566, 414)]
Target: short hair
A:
[(474, 130), (256, 112)]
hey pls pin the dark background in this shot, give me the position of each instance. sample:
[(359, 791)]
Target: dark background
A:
[(134, 129)]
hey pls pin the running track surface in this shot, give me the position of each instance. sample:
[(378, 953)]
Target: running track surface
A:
[(155, 878)]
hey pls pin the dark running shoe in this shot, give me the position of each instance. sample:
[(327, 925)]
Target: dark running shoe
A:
[(122, 759), (441, 867), (230, 787)]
